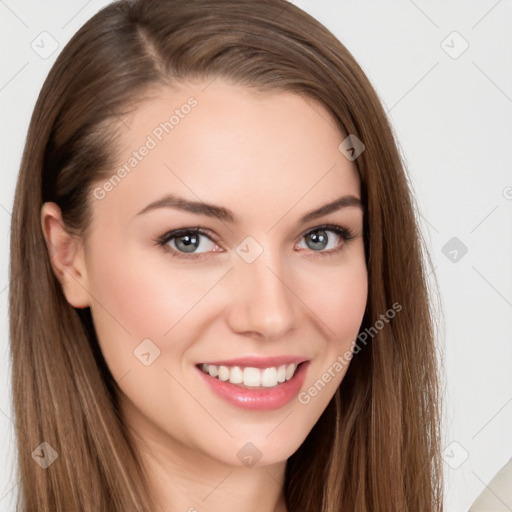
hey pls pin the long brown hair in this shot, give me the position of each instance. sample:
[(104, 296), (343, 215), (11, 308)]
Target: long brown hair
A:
[(376, 447)]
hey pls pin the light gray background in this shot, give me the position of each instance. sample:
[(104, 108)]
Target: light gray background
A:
[(453, 120)]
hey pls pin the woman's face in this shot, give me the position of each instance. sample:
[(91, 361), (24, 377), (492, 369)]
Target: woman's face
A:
[(258, 281)]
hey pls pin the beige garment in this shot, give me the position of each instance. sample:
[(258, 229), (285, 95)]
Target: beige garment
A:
[(497, 496)]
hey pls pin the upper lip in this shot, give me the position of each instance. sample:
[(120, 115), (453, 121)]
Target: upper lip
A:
[(258, 362)]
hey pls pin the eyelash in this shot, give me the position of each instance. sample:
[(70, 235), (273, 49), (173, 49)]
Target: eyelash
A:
[(345, 234)]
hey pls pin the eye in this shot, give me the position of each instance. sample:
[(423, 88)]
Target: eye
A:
[(184, 242), (318, 239)]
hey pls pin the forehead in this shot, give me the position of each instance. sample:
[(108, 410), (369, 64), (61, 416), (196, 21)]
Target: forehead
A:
[(227, 144)]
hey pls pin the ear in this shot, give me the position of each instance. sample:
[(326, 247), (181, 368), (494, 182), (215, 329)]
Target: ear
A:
[(66, 256)]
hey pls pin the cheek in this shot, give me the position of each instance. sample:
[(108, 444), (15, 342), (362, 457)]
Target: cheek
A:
[(347, 311), (339, 306), (338, 295), (135, 299)]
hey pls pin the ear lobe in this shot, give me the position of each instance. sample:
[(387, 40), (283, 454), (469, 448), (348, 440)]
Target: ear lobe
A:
[(66, 256)]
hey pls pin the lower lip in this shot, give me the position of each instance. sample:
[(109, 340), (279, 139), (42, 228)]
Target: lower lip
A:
[(258, 399)]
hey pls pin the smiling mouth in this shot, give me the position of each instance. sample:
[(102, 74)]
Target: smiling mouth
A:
[(251, 377)]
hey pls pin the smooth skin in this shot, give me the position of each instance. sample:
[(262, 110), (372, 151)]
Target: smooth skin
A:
[(270, 158)]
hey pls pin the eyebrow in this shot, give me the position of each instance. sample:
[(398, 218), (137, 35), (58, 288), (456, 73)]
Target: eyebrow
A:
[(226, 215)]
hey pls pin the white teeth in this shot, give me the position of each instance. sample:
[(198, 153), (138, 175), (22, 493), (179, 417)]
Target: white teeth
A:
[(290, 370), (223, 373), (252, 376), (249, 376), (235, 375), (281, 373), (269, 377)]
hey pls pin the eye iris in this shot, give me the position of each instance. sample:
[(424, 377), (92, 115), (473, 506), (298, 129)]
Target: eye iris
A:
[(319, 241), (189, 242)]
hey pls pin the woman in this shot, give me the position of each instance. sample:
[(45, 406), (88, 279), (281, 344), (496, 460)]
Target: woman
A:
[(290, 364)]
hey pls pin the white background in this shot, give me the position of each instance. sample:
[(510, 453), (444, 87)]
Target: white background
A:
[(453, 121)]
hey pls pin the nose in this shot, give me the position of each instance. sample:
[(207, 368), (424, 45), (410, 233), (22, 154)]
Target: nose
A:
[(262, 299)]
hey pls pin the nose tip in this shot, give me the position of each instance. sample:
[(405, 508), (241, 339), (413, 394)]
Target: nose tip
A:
[(262, 302)]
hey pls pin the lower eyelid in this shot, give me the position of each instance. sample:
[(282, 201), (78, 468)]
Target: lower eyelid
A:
[(344, 239), (165, 243), (344, 233)]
